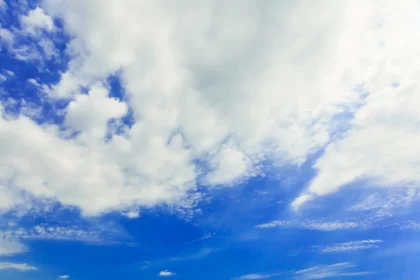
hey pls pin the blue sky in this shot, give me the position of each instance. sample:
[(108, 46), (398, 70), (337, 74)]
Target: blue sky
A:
[(211, 140)]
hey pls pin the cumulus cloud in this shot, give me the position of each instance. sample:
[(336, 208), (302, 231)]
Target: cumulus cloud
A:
[(215, 91), (35, 20), (380, 146), (351, 246), (16, 266), (337, 270), (166, 273)]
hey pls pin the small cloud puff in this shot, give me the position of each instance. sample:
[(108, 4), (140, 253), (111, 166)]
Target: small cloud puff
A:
[(166, 273), (63, 277)]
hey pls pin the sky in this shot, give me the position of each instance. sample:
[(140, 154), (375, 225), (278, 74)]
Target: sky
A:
[(209, 139)]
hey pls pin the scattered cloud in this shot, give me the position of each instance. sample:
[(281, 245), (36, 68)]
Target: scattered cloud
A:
[(64, 277), (350, 246), (166, 273), (329, 271), (314, 225), (387, 203), (410, 225), (98, 235), (16, 266)]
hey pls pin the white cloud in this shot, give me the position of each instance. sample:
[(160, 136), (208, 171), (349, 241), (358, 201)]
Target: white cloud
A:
[(388, 203), (255, 276), (166, 273), (329, 271), (100, 235), (63, 277), (350, 246), (90, 113), (132, 214), (3, 5), (314, 225), (35, 20), (266, 84), (381, 145), (16, 266), (259, 276), (10, 247), (7, 38), (411, 225), (274, 224)]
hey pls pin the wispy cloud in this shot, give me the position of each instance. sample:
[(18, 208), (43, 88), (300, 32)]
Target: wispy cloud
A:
[(328, 271), (413, 225), (203, 252), (259, 276), (16, 266), (350, 246), (314, 225), (71, 233), (64, 277), (387, 203)]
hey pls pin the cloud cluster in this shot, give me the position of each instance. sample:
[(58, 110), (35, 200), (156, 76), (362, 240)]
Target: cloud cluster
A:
[(214, 91), (381, 145)]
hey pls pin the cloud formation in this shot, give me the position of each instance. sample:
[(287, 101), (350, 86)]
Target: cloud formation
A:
[(313, 225), (211, 100), (166, 273), (338, 270), (350, 246), (16, 266), (10, 247)]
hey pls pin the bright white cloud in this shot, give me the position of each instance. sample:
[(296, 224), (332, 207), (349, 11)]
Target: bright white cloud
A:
[(132, 214), (37, 19), (337, 270), (381, 145), (16, 266), (90, 113), (166, 273), (351, 246), (266, 84)]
